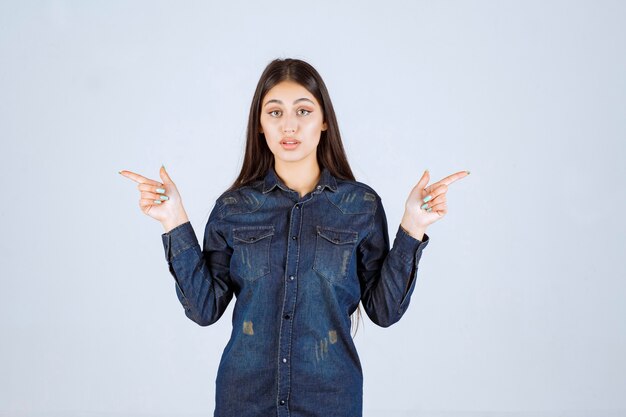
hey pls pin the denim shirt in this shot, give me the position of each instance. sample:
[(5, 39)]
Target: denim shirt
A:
[(298, 267)]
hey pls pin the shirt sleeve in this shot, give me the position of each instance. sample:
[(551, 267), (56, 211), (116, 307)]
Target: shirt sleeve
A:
[(202, 278), (387, 277)]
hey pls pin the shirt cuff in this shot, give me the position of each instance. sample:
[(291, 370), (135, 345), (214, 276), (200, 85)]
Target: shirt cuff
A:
[(179, 239), (407, 246)]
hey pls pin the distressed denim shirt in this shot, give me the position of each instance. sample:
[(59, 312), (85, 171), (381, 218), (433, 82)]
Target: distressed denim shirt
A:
[(298, 267)]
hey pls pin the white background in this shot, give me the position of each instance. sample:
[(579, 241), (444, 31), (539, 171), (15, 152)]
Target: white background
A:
[(520, 305)]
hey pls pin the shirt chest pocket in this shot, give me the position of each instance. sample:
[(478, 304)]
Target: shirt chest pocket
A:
[(333, 252), (251, 251)]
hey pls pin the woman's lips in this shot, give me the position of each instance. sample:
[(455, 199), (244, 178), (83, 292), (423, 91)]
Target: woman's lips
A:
[(286, 144)]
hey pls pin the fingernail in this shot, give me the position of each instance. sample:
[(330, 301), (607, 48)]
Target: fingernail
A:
[(160, 190), (157, 201), (424, 206), (163, 166), (429, 209), (119, 172), (426, 199), (467, 172), (164, 197)]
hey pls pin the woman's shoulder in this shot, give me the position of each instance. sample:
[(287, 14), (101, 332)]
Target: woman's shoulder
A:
[(354, 196), (345, 185), (241, 199)]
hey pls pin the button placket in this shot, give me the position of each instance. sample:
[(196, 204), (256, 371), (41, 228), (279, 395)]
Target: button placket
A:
[(290, 288)]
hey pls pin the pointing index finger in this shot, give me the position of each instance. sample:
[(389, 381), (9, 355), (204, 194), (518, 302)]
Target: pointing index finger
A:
[(138, 178), (454, 177)]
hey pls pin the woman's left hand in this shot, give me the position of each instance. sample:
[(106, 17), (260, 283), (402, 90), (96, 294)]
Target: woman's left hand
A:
[(427, 204)]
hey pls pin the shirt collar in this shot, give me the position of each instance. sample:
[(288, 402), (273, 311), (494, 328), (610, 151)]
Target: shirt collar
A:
[(327, 180)]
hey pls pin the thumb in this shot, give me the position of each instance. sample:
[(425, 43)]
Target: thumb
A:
[(421, 184), (425, 178), (165, 176)]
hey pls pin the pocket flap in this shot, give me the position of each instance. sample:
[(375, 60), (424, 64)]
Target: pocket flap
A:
[(337, 236), (251, 234)]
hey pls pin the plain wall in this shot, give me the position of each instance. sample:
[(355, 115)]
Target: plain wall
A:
[(519, 308)]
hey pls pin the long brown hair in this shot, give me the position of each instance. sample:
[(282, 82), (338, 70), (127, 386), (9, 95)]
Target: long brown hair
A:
[(330, 152)]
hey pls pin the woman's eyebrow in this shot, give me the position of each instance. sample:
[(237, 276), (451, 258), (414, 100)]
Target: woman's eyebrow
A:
[(280, 102)]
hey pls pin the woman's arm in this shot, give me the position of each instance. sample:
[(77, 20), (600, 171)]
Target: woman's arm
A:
[(202, 278), (387, 276)]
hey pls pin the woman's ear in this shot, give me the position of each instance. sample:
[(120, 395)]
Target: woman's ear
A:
[(324, 126)]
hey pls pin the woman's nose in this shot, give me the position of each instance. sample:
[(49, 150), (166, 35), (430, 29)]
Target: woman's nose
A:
[(291, 124)]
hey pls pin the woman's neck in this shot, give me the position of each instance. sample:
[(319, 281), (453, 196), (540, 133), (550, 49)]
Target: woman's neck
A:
[(301, 176)]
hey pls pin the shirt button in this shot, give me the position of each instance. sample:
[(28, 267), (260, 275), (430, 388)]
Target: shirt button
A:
[(282, 402), (292, 277), (297, 206), (294, 237), (284, 360), (319, 187), (287, 316)]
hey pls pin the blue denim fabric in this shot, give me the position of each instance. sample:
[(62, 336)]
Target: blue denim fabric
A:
[(298, 267)]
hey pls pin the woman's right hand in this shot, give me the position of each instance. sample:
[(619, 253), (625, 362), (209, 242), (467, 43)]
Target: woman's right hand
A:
[(160, 200)]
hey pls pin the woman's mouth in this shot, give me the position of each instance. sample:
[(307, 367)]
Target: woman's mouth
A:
[(289, 144)]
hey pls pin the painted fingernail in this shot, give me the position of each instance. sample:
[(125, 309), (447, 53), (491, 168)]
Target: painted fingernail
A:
[(467, 172), (426, 199), (429, 209), (164, 197), (424, 206), (157, 201), (160, 190)]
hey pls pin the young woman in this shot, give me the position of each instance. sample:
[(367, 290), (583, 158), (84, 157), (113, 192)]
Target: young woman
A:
[(300, 243)]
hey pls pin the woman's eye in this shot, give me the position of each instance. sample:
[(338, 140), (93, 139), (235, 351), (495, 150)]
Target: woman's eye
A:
[(307, 112)]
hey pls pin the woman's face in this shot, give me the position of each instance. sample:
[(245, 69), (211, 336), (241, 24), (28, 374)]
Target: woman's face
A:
[(289, 113)]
